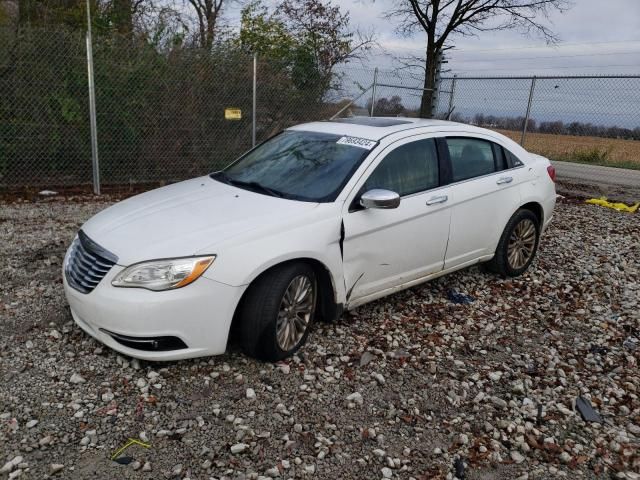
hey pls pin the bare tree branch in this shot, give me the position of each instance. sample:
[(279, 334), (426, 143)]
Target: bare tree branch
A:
[(442, 19)]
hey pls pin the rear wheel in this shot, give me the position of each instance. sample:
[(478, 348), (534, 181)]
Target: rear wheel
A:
[(518, 244), (278, 310)]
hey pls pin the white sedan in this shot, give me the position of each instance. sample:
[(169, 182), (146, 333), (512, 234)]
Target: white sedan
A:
[(323, 217)]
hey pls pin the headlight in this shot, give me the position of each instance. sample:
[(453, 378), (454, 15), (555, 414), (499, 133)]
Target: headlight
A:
[(166, 274)]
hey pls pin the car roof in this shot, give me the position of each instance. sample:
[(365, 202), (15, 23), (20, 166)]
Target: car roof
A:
[(376, 128)]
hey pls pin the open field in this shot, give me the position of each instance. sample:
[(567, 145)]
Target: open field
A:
[(610, 152), (398, 389)]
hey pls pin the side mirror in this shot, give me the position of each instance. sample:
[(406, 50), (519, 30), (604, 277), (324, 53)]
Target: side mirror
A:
[(379, 198)]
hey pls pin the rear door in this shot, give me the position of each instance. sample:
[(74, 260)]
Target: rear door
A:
[(386, 248), (484, 195)]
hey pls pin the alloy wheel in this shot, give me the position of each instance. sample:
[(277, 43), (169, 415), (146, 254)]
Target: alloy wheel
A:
[(522, 244), (296, 311)]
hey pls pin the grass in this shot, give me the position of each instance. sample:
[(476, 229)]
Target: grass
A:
[(610, 152)]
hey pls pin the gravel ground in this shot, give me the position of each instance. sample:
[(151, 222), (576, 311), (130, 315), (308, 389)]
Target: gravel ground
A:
[(411, 386)]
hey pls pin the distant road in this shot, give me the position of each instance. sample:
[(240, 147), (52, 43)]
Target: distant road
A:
[(597, 175)]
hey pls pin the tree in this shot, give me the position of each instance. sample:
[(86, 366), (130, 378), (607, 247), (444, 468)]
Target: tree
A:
[(208, 13), (307, 38), (264, 33), (326, 38), (387, 106), (441, 19)]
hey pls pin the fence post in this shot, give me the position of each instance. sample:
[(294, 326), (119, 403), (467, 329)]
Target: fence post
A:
[(526, 117), (255, 101), (453, 92), (92, 107), (435, 94), (373, 91)]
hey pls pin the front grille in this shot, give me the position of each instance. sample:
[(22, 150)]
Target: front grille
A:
[(87, 263)]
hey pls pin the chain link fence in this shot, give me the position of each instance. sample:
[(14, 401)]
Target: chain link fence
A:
[(161, 114), (590, 119)]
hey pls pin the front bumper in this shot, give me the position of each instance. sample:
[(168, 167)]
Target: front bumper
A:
[(199, 315)]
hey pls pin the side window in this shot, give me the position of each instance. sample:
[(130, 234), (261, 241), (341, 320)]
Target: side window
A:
[(410, 168), (470, 157), (512, 160)]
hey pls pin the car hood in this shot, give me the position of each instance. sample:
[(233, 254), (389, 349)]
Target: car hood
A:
[(185, 218)]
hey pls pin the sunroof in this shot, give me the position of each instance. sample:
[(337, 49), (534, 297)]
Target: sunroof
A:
[(372, 121)]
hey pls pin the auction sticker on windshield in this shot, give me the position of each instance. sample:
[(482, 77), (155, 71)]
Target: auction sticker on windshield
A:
[(357, 142)]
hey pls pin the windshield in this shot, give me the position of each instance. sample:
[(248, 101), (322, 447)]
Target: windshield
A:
[(308, 166)]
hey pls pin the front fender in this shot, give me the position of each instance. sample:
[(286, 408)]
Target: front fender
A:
[(240, 263)]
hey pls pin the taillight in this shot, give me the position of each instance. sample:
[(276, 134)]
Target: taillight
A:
[(551, 170)]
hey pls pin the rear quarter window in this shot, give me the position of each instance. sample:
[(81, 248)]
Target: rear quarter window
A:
[(512, 160)]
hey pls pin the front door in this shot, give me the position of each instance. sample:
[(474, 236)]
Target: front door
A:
[(387, 248)]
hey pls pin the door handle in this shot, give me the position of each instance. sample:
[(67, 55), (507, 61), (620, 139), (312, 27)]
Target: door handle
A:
[(503, 180), (440, 199)]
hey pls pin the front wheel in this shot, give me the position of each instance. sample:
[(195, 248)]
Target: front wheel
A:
[(518, 245), (278, 310)]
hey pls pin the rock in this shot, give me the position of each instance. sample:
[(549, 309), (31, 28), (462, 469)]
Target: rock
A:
[(634, 429), (107, 397), (565, 457), (55, 468), (77, 378), (498, 402), (284, 368), (146, 467), (517, 456), (378, 378), (239, 448), (495, 376), (177, 469), (518, 386), (31, 423), (11, 464), (272, 472), (366, 358), (386, 472), (355, 397), (251, 394), (433, 368)]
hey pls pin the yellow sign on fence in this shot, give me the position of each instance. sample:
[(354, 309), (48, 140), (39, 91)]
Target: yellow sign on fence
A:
[(232, 114)]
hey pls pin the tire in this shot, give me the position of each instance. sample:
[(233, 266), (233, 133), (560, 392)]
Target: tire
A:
[(267, 331), (523, 225)]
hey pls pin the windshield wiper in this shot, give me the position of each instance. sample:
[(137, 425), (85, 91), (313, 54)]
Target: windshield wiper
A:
[(255, 186)]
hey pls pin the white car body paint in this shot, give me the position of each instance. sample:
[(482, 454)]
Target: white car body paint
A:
[(382, 251)]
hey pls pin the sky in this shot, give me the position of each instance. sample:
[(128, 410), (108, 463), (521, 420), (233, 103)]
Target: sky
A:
[(596, 36)]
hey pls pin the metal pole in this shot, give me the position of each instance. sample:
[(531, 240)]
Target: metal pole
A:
[(373, 91), (92, 107), (335, 115), (255, 96), (526, 117), (453, 92)]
